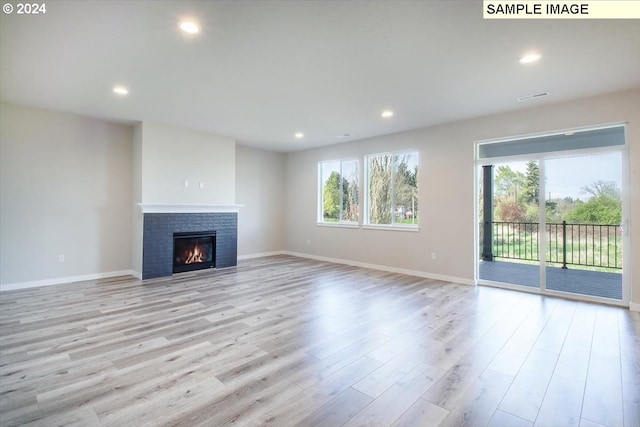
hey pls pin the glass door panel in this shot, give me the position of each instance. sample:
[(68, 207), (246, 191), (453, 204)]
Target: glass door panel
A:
[(583, 216), (509, 237)]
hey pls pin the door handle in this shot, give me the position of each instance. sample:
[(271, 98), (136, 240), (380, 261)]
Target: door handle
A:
[(624, 227)]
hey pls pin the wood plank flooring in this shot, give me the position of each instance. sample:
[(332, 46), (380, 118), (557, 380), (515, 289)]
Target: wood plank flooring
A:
[(285, 341)]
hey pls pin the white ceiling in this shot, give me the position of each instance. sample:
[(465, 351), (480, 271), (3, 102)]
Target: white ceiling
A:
[(262, 70)]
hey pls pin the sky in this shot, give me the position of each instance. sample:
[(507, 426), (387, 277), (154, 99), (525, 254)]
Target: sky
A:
[(567, 176)]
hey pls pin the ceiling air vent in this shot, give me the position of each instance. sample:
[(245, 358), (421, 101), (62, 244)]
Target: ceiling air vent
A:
[(530, 97)]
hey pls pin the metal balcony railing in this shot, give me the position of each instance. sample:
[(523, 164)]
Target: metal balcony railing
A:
[(591, 245)]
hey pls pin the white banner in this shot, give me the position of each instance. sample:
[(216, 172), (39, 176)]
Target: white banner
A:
[(587, 9)]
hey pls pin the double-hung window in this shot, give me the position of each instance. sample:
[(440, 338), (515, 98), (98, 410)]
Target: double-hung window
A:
[(392, 189), (338, 192)]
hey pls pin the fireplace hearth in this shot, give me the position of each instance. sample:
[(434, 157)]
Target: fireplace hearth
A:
[(194, 251)]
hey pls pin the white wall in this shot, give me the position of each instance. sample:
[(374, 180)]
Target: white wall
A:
[(446, 186), (173, 155), (260, 188), (65, 188)]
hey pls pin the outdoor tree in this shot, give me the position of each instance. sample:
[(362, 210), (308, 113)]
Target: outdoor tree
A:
[(509, 211), (507, 186), (602, 189), (331, 196), (392, 188), (530, 192), (413, 182), (508, 182), (405, 185), (351, 194), (559, 208), (380, 189), (604, 207)]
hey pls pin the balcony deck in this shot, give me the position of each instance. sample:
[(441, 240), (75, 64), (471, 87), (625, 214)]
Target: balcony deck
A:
[(592, 283)]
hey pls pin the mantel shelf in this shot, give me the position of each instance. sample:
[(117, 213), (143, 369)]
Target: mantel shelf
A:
[(185, 208)]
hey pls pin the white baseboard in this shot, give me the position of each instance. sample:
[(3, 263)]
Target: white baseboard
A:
[(416, 273), (260, 255), (61, 280), (634, 306)]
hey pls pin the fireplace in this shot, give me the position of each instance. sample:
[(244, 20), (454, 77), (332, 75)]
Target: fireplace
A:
[(194, 251), (159, 228)]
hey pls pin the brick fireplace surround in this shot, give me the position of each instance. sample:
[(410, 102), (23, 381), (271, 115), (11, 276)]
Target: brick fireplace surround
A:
[(157, 242)]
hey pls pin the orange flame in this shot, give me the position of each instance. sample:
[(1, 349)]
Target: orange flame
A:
[(195, 256)]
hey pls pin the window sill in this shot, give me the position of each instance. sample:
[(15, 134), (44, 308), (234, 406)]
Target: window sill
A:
[(337, 224), (409, 228)]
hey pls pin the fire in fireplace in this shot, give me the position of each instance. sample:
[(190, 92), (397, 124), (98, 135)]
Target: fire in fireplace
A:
[(194, 251)]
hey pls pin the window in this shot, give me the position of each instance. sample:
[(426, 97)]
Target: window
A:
[(392, 189), (339, 192)]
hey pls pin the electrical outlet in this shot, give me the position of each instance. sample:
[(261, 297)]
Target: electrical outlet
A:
[(60, 258), (308, 242), (433, 256), (201, 184), (186, 183)]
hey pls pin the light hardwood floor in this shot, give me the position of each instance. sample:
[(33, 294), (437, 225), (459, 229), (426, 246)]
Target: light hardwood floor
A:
[(286, 341)]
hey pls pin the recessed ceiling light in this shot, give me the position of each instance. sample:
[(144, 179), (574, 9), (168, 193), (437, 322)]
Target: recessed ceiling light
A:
[(189, 27), (120, 90), (387, 113), (529, 58), (299, 135)]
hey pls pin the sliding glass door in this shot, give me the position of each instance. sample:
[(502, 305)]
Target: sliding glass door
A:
[(583, 214), (550, 211)]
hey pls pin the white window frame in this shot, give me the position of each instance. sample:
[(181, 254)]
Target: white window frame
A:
[(365, 213), (320, 211)]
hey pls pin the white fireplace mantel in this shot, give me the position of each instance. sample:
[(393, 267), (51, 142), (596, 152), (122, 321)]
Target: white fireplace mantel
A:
[(185, 208)]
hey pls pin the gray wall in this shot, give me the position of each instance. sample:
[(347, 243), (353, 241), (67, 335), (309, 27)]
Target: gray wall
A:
[(446, 186), (65, 188), (260, 188)]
